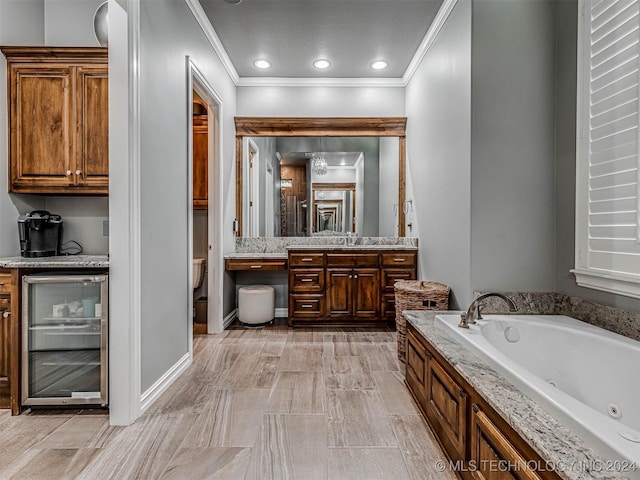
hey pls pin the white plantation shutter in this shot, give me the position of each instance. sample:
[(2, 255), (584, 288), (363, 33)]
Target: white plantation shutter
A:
[(607, 190)]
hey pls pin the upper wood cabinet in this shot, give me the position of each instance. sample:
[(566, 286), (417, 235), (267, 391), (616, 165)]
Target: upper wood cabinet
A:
[(58, 120)]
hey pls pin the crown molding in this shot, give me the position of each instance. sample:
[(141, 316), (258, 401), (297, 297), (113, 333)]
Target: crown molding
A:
[(429, 38), (433, 31), (202, 19), (318, 82)]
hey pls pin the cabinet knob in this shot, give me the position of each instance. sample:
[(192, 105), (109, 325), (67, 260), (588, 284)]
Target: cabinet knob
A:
[(68, 172), (6, 314), (78, 172), (355, 276)]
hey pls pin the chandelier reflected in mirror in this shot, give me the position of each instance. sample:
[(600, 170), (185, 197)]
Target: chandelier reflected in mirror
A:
[(318, 164)]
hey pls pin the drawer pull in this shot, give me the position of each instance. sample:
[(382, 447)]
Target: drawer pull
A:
[(256, 266), (307, 280), (306, 306), (1, 284), (306, 260), (6, 314), (399, 259)]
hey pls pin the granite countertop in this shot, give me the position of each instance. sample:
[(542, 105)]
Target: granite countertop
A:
[(63, 261), (352, 247), (249, 256), (553, 441)]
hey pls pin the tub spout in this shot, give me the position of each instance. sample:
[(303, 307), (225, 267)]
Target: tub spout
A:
[(473, 311)]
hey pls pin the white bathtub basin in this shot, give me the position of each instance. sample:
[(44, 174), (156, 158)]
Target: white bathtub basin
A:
[(585, 376)]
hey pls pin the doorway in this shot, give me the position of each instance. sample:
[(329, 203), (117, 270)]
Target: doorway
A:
[(200, 89)]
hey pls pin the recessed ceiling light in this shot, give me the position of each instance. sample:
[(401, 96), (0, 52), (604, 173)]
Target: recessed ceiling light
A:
[(262, 64), (322, 64), (233, 2), (380, 65)]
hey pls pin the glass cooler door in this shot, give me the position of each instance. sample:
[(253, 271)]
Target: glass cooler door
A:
[(64, 340)]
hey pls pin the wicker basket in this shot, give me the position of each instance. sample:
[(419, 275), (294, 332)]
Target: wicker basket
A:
[(416, 295)]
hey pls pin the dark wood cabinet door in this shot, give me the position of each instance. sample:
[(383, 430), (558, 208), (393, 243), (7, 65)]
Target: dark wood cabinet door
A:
[(366, 293), (200, 164), (92, 155), (339, 292), (5, 342), (42, 121)]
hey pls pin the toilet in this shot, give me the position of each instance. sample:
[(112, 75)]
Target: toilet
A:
[(198, 271)]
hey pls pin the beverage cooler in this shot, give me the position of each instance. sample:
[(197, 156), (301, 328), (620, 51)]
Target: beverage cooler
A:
[(64, 340)]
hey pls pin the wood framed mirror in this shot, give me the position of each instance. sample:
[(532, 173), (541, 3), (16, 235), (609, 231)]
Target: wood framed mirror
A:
[(320, 127)]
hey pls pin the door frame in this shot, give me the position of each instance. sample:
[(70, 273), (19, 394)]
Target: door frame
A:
[(215, 267)]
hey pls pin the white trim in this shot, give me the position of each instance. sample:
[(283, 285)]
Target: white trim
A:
[(164, 382), (282, 312), (319, 82), (202, 19), (434, 29), (215, 261), (229, 319), (618, 284)]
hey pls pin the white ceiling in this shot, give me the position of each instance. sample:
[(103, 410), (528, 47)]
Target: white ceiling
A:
[(291, 34)]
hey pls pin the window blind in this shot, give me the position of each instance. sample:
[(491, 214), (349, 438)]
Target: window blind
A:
[(608, 229)]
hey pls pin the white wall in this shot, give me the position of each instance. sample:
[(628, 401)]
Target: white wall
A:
[(320, 101), (438, 155), (164, 201), (69, 23)]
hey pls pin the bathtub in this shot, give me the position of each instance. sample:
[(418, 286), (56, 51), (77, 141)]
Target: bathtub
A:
[(586, 377)]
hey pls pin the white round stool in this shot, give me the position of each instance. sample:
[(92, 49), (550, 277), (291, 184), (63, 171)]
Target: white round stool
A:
[(256, 304)]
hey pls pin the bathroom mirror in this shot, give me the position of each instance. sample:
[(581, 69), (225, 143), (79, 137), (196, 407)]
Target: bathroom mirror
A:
[(320, 176)]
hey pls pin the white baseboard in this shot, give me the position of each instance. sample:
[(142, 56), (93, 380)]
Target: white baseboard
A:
[(164, 382), (282, 312), (228, 320)]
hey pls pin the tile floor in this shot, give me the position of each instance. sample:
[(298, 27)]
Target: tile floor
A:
[(256, 404)]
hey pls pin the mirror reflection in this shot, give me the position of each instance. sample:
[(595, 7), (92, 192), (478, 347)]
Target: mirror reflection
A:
[(306, 186)]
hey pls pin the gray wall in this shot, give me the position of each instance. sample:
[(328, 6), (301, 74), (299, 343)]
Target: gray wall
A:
[(565, 119), (438, 155), (512, 145), (70, 22), (164, 201)]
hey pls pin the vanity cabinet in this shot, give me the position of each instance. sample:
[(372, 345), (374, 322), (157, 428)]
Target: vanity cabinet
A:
[(352, 287), (9, 338), (471, 433), (58, 120)]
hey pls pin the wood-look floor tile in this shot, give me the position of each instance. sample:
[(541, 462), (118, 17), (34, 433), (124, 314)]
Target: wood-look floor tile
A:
[(273, 348), (357, 418), (251, 372), (303, 335), (348, 373), (366, 464), (19, 434), (343, 344), (297, 392), (225, 463), (223, 356), (382, 357), (301, 358), (77, 432), (232, 418), (419, 448), (189, 394), (58, 463), (396, 397), (290, 447), (142, 450)]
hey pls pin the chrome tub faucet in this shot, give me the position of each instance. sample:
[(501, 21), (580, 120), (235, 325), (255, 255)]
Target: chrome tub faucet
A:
[(473, 312)]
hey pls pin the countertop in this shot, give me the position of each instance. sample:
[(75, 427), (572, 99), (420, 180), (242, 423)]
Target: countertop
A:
[(553, 441), (352, 247), (64, 261), (270, 255)]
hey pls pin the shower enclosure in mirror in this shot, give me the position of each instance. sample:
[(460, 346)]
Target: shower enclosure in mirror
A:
[(320, 176)]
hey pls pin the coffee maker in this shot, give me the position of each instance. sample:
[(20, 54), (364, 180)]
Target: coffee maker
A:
[(40, 234)]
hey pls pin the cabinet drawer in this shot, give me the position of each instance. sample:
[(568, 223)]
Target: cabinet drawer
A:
[(257, 264), (405, 259), (352, 259), (305, 305), (5, 283), (390, 276), (389, 306), (306, 259), (307, 280)]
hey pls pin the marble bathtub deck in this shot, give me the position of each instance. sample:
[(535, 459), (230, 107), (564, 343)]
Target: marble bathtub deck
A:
[(256, 404), (549, 438)]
